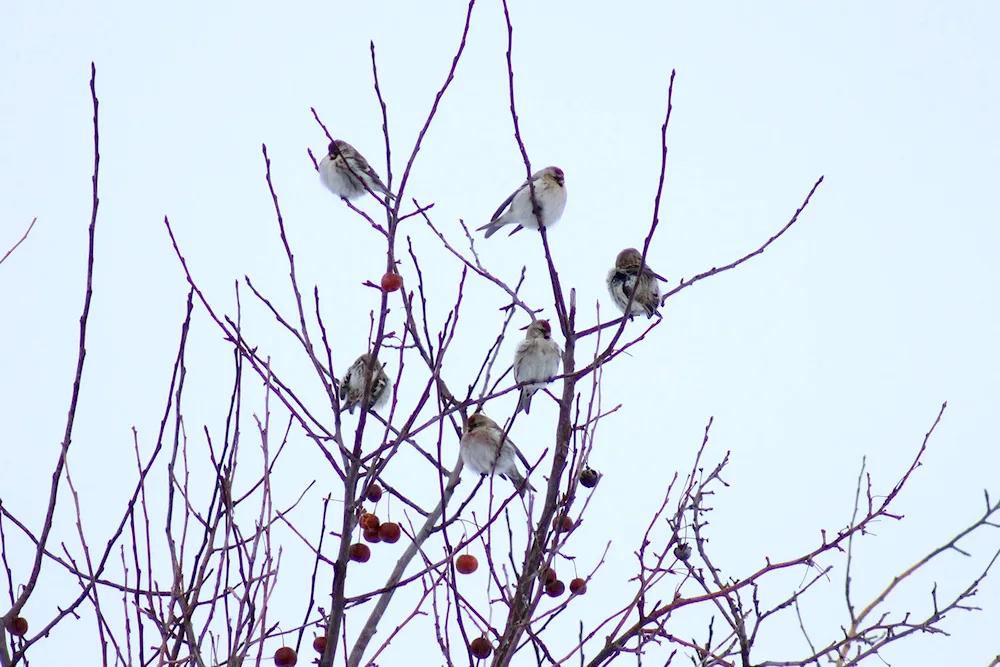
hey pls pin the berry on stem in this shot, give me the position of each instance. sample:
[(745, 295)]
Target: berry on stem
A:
[(285, 657), (18, 626), (369, 521), (466, 564), (481, 647), (360, 553), (392, 282), (389, 532), (555, 589), (589, 477)]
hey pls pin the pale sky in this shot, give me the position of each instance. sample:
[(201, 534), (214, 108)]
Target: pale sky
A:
[(841, 341)]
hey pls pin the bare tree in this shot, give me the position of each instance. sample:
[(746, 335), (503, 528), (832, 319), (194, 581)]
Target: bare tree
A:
[(194, 564)]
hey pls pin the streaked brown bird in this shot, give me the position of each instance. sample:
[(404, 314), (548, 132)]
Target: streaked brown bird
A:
[(628, 276), (346, 173), (352, 387), (536, 361), (482, 453), (550, 193)]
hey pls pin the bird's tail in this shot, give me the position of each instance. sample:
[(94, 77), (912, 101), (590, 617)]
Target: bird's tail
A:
[(522, 484), (494, 226), (525, 402)]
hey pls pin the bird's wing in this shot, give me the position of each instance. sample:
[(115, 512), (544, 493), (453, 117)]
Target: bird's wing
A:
[(357, 161), (524, 460), (345, 383), (557, 354), (656, 275), (361, 166), (519, 355), (358, 165), (507, 201)]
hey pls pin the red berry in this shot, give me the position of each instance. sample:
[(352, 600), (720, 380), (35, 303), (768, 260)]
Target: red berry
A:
[(319, 644), (556, 588), (481, 647), (371, 536), (285, 656), (548, 576), (392, 282), (466, 564), (589, 477), (369, 521), (18, 626), (565, 523), (360, 553), (373, 493), (682, 551), (389, 532), (578, 585)]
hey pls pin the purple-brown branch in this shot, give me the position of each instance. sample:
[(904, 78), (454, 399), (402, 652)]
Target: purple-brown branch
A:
[(36, 567)]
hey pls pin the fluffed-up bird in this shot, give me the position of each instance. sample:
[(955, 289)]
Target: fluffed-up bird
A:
[(550, 193), (346, 173), (482, 453), (629, 275), (536, 361), (352, 387)]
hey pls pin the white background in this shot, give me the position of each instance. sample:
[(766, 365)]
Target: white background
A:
[(840, 342)]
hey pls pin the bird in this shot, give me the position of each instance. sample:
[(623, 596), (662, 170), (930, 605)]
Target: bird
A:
[(347, 174), (482, 453), (353, 384), (550, 193), (631, 275), (536, 361)]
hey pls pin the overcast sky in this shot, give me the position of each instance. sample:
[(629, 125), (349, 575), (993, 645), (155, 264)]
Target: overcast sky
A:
[(840, 342)]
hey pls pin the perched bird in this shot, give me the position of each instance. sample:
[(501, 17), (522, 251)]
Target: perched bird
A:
[(536, 361), (347, 173), (482, 453), (630, 275), (353, 385), (550, 193)]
